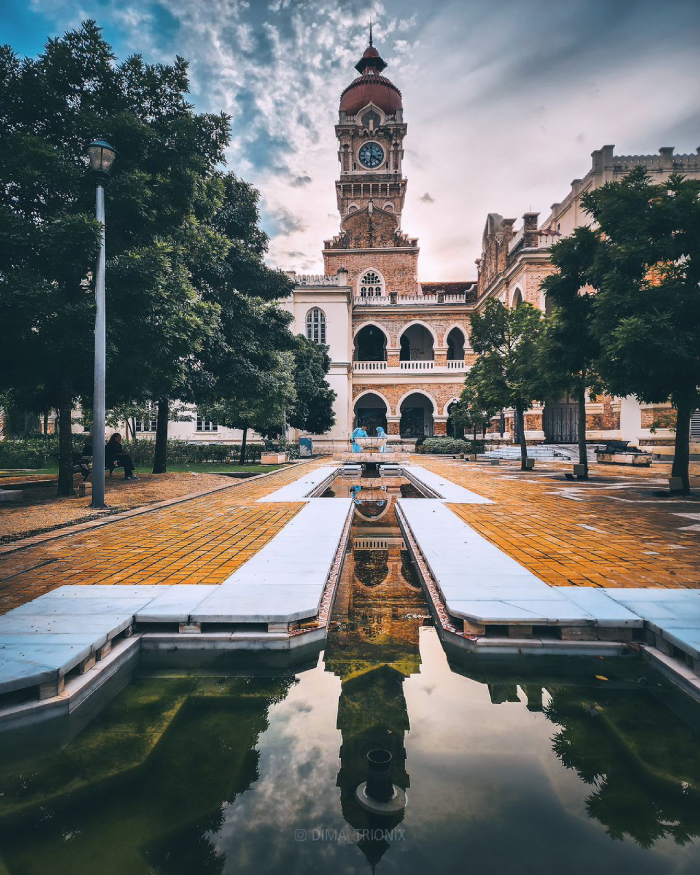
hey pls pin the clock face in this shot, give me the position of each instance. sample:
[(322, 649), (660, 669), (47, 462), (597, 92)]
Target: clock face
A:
[(371, 155)]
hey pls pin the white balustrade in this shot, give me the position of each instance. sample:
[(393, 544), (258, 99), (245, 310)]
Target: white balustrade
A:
[(417, 365), (455, 365), (369, 366), (309, 279), (367, 301)]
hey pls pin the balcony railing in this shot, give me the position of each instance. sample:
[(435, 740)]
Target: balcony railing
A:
[(414, 365), (407, 300), (417, 365), (369, 366)]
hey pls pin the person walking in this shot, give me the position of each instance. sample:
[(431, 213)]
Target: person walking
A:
[(115, 455)]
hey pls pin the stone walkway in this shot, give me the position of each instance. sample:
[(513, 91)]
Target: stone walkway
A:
[(611, 531), (202, 540)]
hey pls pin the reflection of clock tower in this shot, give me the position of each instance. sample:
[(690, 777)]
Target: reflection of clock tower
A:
[(371, 189)]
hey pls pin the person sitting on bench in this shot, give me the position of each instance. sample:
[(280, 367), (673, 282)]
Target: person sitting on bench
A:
[(114, 456)]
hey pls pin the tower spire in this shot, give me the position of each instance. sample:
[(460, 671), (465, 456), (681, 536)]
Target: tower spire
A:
[(370, 33)]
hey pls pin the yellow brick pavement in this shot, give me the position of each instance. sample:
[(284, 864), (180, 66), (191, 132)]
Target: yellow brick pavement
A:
[(610, 531), (202, 540)]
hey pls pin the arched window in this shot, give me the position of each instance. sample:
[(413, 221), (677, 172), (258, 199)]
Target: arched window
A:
[(316, 325), (371, 284)]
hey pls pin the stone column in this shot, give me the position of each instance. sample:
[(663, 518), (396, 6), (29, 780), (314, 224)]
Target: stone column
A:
[(392, 425), (439, 426), (440, 356), (392, 358)]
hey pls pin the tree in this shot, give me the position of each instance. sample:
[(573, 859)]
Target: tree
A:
[(471, 412), (313, 409), (647, 306), (259, 405), (50, 108), (569, 346), (506, 372)]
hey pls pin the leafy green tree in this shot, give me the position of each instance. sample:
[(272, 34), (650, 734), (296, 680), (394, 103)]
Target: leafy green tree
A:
[(647, 306), (50, 108), (260, 404), (506, 372), (569, 346), (470, 414), (312, 410)]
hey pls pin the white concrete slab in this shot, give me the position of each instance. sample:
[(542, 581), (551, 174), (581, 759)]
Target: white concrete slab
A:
[(17, 674), (605, 611), (90, 624), (275, 603), (446, 489), (59, 655), (105, 591), (300, 489), (176, 604)]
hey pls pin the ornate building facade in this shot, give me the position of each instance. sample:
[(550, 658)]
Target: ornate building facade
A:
[(399, 346)]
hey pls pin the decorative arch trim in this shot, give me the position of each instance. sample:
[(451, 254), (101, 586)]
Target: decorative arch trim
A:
[(516, 291), (373, 324), (417, 392), (425, 325), (363, 274), (445, 409), (464, 331), (372, 392)]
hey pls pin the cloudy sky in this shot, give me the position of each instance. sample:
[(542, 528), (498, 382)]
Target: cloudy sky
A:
[(504, 100)]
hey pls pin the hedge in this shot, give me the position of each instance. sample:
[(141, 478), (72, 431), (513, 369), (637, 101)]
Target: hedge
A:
[(449, 446), (39, 452)]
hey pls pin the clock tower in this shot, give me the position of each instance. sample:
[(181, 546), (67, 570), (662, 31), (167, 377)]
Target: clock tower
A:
[(371, 189), (370, 134)]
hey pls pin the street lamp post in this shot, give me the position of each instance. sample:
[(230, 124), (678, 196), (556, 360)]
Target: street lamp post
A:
[(101, 157)]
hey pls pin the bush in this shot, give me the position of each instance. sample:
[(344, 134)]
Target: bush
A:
[(183, 453), (449, 446), (36, 452), (40, 452)]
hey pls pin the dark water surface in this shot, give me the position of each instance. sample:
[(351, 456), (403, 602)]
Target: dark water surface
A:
[(510, 765)]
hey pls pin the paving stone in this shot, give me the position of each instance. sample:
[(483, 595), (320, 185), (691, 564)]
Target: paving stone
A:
[(274, 603), (176, 604), (18, 674), (59, 655)]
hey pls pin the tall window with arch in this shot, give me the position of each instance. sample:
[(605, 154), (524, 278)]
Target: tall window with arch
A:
[(316, 325), (371, 284)]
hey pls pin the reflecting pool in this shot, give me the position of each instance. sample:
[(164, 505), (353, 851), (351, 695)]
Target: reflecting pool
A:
[(510, 765)]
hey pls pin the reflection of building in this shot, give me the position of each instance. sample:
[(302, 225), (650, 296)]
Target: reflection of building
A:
[(373, 647), (399, 346)]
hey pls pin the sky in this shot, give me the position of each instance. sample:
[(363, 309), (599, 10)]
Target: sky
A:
[(504, 99)]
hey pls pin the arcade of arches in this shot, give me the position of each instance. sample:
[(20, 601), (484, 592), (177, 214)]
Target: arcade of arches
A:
[(413, 418)]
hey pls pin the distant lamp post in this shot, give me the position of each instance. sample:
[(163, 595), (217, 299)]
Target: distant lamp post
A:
[(101, 157)]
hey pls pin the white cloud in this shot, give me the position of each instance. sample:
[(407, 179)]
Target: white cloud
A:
[(503, 109)]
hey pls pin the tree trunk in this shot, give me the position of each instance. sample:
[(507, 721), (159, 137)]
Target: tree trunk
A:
[(46, 422), (241, 459), (582, 446), (520, 416), (65, 446), (681, 457), (160, 452)]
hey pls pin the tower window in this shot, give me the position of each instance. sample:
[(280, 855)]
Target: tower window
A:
[(371, 284), (316, 325)]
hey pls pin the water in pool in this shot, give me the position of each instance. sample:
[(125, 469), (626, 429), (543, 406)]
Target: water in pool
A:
[(510, 765)]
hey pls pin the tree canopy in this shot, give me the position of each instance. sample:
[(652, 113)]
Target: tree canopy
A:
[(506, 372)]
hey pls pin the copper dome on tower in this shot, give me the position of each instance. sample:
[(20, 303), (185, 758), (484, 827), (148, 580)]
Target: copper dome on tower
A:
[(370, 86)]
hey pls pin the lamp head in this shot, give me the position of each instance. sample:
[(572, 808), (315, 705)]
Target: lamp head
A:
[(101, 156)]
